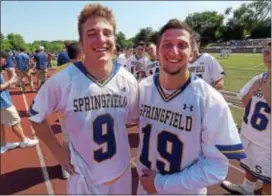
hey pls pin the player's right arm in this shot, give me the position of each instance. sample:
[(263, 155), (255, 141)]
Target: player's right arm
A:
[(248, 90), (45, 103), (8, 83)]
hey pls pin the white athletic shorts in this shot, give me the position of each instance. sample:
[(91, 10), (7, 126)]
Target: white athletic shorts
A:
[(77, 185), (258, 161)]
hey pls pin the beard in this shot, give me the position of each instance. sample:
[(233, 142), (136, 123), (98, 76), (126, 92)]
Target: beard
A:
[(172, 73)]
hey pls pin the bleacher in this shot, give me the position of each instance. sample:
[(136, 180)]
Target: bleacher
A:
[(240, 44)]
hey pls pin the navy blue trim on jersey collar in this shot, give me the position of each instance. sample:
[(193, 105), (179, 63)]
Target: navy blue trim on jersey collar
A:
[(166, 97), (264, 74), (81, 67)]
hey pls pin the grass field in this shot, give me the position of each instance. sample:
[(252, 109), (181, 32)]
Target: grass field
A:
[(240, 68)]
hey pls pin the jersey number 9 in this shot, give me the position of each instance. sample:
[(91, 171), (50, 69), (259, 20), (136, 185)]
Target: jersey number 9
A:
[(103, 135)]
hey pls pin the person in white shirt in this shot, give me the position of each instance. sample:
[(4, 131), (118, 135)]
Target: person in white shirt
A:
[(154, 66), (96, 99), (206, 66), (187, 132), (256, 132), (138, 63)]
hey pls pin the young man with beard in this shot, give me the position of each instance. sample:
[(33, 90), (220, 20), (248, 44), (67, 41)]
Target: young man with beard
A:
[(256, 132), (187, 132), (96, 99), (206, 66), (138, 63)]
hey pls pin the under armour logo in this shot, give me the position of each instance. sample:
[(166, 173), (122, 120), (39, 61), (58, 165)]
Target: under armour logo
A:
[(123, 89), (185, 106)]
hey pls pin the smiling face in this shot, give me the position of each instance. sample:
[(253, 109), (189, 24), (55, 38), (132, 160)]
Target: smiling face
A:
[(174, 50), (151, 50), (140, 50), (98, 39)]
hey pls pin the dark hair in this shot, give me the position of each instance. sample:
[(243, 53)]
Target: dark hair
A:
[(73, 50), (140, 43), (176, 24), (4, 54), (269, 43), (118, 48), (66, 44), (22, 49)]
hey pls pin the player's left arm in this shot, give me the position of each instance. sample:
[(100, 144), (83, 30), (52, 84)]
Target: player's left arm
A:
[(217, 74), (220, 142), (266, 89), (219, 84)]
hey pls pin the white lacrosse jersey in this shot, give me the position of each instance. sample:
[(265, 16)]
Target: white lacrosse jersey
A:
[(185, 135), (153, 67), (207, 68), (136, 65), (95, 115), (256, 124), (122, 59)]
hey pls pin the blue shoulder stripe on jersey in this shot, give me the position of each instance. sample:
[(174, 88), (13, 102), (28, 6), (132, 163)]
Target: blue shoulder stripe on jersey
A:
[(264, 74), (230, 147), (232, 151), (116, 67), (31, 111), (166, 97), (237, 156), (265, 179)]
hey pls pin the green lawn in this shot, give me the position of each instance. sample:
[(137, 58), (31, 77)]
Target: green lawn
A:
[(240, 68), (237, 114)]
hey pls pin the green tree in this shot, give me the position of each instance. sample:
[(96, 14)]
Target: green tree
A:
[(143, 35), (154, 37), (16, 41), (208, 24), (121, 40), (5, 45)]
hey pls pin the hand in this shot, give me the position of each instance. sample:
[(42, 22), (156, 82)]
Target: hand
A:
[(13, 80), (256, 85), (147, 181), (266, 88), (63, 157)]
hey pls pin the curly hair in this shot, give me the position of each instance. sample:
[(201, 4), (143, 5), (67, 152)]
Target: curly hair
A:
[(95, 10)]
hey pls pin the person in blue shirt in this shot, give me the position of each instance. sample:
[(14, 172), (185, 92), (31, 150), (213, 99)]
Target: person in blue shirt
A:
[(23, 66), (9, 114), (63, 56), (41, 66), (10, 68)]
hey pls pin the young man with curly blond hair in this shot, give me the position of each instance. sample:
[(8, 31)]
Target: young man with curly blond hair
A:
[(96, 99)]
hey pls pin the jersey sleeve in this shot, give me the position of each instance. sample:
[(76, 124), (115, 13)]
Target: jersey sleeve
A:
[(217, 72), (220, 142), (46, 101), (133, 102), (246, 87)]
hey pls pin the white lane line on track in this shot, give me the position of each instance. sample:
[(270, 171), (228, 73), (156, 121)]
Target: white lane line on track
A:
[(48, 184)]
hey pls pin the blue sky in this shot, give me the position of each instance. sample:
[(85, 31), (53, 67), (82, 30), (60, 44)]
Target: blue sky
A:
[(57, 20)]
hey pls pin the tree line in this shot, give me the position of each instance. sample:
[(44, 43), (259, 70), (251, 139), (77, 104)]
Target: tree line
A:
[(248, 21)]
